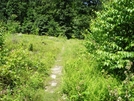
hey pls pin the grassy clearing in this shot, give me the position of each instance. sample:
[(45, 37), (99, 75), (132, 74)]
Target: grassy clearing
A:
[(40, 48), (82, 81), (26, 63)]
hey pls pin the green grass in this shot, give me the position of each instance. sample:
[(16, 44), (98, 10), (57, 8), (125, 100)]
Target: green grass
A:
[(82, 81), (44, 49), (28, 62)]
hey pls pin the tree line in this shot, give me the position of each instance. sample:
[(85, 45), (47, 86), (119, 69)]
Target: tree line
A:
[(49, 17)]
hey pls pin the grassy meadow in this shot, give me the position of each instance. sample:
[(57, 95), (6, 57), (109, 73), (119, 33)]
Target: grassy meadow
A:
[(91, 42), (27, 61)]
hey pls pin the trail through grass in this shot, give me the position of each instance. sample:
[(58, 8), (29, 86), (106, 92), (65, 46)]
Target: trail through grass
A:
[(54, 69), (53, 86), (27, 62)]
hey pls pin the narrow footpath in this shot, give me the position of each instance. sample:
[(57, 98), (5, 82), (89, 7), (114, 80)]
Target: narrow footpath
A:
[(52, 90)]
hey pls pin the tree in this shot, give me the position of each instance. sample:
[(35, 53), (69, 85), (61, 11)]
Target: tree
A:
[(48, 16)]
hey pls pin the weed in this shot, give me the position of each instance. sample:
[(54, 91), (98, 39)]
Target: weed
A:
[(30, 47)]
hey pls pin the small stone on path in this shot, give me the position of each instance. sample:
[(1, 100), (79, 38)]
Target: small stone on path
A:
[(53, 76), (53, 84)]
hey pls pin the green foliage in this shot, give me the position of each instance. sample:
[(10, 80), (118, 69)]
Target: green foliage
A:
[(111, 42), (27, 27), (47, 26), (42, 23), (24, 66), (54, 29), (13, 27), (1, 35), (48, 17), (112, 37), (124, 92), (13, 64), (31, 47), (82, 81)]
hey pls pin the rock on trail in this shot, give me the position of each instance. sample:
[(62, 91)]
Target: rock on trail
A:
[(55, 80)]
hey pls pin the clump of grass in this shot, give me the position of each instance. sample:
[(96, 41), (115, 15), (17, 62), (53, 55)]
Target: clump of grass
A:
[(30, 47)]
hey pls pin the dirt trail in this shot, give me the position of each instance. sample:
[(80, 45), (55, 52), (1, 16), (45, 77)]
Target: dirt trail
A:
[(55, 79)]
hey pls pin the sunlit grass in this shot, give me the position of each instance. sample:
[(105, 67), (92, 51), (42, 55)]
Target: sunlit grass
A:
[(44, 48), (40, 53), (82, 80)]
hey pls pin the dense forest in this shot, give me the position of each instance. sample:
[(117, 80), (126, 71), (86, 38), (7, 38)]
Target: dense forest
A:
[(99, 67), (49, 17)]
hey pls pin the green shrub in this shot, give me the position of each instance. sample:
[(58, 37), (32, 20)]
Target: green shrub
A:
[(30, 47), (123, 92), (111, 42), (17, 71), (27, 27), (112, 37), (12, 67)]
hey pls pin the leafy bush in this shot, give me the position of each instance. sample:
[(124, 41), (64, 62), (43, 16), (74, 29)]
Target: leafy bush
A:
[(17, 71), (111, 42), (54, 29), (11, 68), (16, 68), (1, 41), (27, 27), (112, 37)]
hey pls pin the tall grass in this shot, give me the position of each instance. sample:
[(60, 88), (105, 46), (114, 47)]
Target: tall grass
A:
[(29, 59), (82, 81), (26, 62)]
